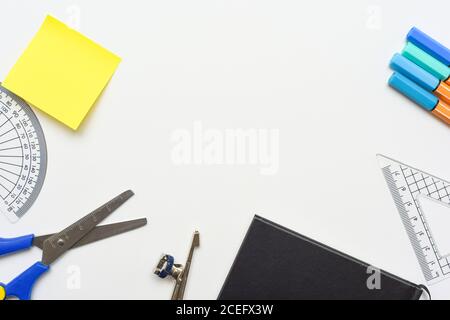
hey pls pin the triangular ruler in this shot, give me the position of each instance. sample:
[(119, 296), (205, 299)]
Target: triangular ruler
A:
[(408, 186)]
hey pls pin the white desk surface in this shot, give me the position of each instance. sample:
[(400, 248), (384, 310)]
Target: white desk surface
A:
[(315, 70)]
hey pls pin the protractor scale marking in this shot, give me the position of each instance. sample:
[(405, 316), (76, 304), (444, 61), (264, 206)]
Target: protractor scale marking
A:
[(23, 156)]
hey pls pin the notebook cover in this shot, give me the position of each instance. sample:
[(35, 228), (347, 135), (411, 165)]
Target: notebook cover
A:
[(276, 263)]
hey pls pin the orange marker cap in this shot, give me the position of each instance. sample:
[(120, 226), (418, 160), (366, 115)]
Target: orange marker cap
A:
[(442, 111), (443, 92), (447, 81)]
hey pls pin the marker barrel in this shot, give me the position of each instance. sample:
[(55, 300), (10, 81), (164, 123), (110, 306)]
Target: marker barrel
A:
[(443, 92), (442, 111)]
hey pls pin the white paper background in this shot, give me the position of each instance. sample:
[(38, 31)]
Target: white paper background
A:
[(315, 70)]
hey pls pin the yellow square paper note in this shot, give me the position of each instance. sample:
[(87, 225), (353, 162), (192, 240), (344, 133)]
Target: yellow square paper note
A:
[(62, 72)]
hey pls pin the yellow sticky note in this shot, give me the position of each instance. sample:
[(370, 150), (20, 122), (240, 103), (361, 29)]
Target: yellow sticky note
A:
[(62, 72)]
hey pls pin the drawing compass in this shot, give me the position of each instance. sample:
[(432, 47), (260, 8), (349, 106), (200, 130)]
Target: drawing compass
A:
[(168, 267)]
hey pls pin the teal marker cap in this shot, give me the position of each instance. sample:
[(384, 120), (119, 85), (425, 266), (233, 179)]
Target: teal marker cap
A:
[(425, 61), (413, 91)]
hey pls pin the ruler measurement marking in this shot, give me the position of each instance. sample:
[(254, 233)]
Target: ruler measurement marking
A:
[(422, 218), (404, 216)]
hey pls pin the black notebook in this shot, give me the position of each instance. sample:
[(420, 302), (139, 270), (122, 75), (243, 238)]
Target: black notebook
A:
[(277, 263)]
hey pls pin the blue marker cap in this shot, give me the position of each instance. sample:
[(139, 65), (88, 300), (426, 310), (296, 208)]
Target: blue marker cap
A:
[(429, 45), (415, 73), (417, 94)]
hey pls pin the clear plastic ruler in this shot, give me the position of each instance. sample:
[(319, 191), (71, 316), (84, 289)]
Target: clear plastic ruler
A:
[(23, 156), (407, 185)]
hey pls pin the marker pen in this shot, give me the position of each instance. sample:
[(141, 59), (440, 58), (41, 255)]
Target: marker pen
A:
[(429, 45), (427, 62), (423, 98), (421, 77)]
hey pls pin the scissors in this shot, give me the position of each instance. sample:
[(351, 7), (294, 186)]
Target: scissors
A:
[(82, 232)]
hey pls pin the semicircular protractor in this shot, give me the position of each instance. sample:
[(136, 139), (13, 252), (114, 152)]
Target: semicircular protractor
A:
[(23, 156)]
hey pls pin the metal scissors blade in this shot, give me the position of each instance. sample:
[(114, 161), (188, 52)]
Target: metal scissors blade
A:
[(99, 232), (59, 243)]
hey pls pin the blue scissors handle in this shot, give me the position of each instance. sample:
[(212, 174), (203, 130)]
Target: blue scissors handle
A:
[(22, 285), (15, 244)]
